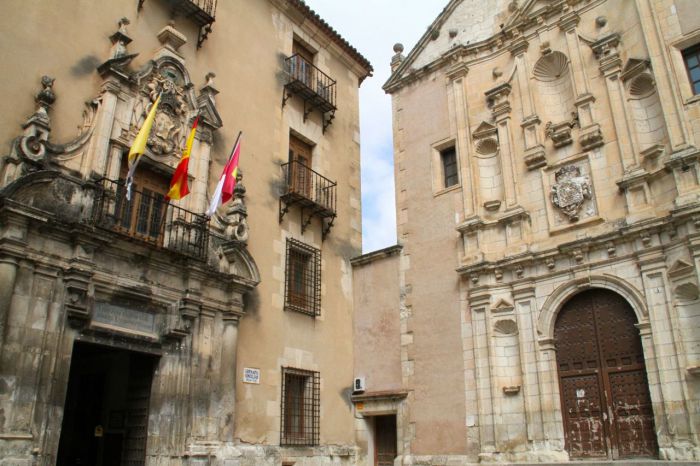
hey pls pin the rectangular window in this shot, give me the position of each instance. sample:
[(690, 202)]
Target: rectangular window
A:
[(301, 405), (303, 278), (691, 57), (300, 175), (449, 166), (144, 215), (302, 63)]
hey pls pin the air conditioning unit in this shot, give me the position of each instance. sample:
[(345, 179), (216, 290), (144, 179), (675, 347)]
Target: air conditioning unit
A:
[(358, 385)]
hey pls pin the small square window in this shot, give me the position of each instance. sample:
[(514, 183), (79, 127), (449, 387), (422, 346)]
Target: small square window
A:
[(301, 406), (450, 173), (303, 278), (691, 57)]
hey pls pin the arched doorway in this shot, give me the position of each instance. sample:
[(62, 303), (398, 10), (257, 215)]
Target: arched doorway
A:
[(602, 378)]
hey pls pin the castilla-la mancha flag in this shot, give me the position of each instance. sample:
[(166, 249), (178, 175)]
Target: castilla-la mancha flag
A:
[(224, 189), (139, 146), (178, 184)]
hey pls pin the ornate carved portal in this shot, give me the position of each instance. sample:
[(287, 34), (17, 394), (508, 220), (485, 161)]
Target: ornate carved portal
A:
[(602, 378)]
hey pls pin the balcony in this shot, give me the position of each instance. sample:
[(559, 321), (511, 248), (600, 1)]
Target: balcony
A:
[(150, 219), (316, 88), (201, 12), (312, 192)]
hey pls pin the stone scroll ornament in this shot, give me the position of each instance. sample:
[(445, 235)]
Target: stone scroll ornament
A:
[(570, 191)]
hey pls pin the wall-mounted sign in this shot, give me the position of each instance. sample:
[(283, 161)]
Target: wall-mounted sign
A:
[(251, 375)]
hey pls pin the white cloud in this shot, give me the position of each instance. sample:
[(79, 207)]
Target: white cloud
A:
[(373, 27)]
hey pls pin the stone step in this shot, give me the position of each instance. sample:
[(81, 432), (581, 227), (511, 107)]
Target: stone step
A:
[(611, 463)]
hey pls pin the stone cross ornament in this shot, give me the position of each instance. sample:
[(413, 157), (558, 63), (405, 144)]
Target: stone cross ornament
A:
[(570, 191)]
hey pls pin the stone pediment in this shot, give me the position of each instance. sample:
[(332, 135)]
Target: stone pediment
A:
[(528, 9), (634, 67), (484, 130), (502, 306), (680, 268), (461, 22)]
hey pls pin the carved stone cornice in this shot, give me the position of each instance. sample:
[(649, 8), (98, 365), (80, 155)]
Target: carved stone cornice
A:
[(498, 97), (518, 46), (569, 21), (456, 71), (535, 157)]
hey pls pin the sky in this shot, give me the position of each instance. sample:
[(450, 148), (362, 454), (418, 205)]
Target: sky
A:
[(373, 27)]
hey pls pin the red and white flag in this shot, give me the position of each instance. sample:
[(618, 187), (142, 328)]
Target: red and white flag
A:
[(227, 182)]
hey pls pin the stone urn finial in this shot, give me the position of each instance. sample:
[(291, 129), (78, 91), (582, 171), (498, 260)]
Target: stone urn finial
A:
[(46, 96)]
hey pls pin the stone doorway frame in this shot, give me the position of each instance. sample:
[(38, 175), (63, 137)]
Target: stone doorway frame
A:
[(546, 350)]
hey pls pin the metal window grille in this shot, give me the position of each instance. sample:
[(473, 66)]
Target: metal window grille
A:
[(301, 406), (303, 278), (449, 166), (691, 57)]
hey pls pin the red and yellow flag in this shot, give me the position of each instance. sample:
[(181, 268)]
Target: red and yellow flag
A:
[(178, 184)]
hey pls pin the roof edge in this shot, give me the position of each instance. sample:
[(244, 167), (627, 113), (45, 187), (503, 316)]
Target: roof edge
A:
[(319, 22)]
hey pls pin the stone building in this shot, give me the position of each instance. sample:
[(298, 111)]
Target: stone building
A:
[(544, 303), (142, 332)]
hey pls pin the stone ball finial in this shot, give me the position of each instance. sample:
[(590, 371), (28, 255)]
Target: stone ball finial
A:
[(398, 47), (46, 96), (601, 21)]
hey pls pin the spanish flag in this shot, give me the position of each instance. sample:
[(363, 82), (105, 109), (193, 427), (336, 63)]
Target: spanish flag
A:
[(178, 185), (139, 146), (224, 189)]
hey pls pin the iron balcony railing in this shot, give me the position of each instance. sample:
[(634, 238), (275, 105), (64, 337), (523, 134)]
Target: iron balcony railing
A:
[(202, 11), (312, 84), (148, 217), (308, 188), (207, 6)]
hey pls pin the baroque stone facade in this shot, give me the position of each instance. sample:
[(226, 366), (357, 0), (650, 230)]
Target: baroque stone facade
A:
[(545, 306), (143, 332)]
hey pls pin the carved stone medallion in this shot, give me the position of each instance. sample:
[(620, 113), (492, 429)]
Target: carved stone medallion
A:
[(570, 191)]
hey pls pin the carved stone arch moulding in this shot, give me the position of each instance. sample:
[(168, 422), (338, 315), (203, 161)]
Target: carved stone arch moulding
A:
[(554, 303)]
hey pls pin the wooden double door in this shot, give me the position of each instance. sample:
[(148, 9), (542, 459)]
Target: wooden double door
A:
[(602, 379)]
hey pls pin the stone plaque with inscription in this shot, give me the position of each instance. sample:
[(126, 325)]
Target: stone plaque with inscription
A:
[(124, 318)]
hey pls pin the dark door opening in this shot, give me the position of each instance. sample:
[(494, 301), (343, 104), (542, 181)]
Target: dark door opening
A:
[(602, 377), (384, 440), (105, 418)]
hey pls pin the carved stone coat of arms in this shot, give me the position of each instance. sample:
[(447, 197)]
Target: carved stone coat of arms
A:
[(570, 191)]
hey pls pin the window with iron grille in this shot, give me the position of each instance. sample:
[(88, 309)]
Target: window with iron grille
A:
[(449, 166), (303, 278), (301, 406), (691, 57)]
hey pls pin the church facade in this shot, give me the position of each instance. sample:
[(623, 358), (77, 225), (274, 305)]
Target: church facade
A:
[(140, 331), (545, 304)]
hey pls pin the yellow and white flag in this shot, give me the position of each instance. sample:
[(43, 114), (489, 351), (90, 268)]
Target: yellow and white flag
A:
[(139, 146)]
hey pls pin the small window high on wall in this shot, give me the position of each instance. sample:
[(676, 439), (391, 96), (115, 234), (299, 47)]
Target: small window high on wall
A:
[(691, 57), (449, 166)]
